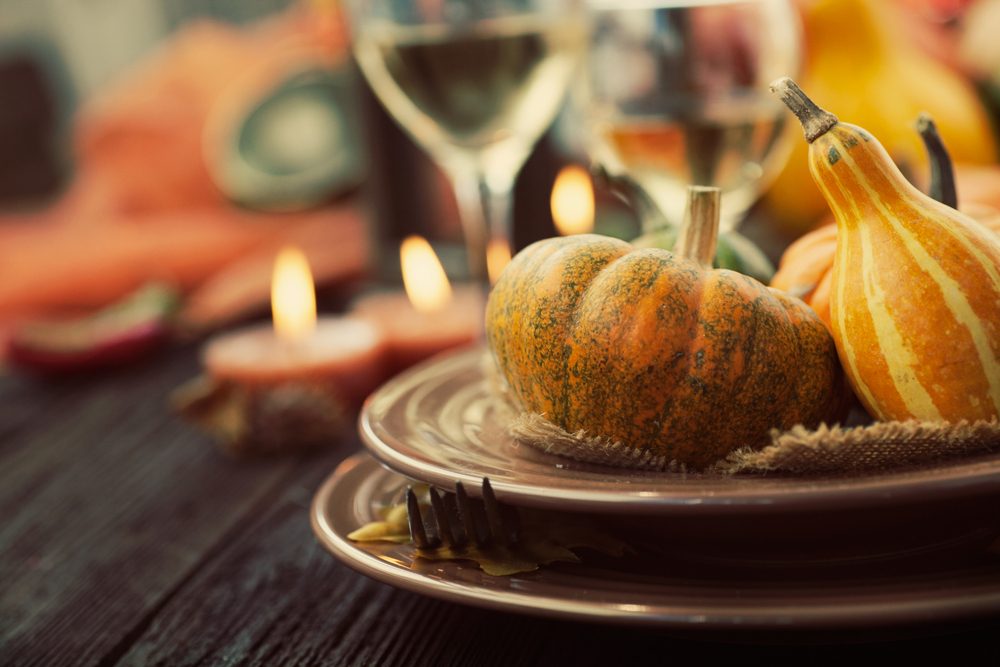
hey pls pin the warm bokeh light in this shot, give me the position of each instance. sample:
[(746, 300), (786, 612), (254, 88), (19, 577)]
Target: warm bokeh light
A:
[(497, 258), (573, 201), (293, 295), (424, 278)]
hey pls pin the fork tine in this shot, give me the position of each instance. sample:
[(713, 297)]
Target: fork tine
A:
[(494, 517), (466, 510), (455, 520), (442, 519), (417, 532), (459, 519)]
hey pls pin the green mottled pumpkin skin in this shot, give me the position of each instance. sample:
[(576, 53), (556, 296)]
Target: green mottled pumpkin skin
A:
[(650, 349)]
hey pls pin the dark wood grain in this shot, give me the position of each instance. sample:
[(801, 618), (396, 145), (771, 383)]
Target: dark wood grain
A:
[(108, 503), (125, 538)]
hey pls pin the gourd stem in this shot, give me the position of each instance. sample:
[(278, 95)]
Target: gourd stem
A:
[(815, 121), (623, 186), (942, 187), (700, 230)]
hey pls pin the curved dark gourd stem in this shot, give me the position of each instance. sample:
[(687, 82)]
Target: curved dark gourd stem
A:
[(623, 186), (700, 230), (815, 121), (942, 187)]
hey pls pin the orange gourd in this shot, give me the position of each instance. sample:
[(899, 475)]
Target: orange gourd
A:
[(979, 183), (657, 350), (915, 294), (806, 268), (859, 61)]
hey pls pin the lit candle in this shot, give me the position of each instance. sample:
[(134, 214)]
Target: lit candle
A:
[(430, 316), (345, 353)]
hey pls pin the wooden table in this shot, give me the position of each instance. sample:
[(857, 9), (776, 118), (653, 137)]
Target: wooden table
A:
[(127, 538)]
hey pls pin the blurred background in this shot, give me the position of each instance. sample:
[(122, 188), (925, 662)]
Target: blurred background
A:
[(56, 55), (183, 142), (166, 140)]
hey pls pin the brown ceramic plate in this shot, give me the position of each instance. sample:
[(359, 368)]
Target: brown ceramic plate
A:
[(442, 422), (664, 588)]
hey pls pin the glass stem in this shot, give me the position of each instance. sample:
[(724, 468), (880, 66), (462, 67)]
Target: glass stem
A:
[(484, 208)]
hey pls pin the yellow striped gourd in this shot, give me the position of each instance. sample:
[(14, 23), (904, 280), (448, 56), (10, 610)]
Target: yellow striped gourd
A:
[(915, 300)]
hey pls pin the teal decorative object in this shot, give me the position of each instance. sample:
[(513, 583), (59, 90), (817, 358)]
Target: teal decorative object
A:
[(296, 146)]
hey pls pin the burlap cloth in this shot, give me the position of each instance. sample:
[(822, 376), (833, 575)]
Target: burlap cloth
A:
[(827, 450), (879, 447)]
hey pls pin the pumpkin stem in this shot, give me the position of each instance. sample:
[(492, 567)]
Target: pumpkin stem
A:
[(815, 121), (700, 229), (942, 186)]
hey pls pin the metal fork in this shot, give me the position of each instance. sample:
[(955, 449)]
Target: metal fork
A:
[(457, 520)]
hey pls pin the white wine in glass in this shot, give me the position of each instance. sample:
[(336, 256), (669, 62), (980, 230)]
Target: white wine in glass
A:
[(476, 90), (678, 95)]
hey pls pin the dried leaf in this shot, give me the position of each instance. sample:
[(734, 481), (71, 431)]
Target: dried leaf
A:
[(392, 528), (262, 419)]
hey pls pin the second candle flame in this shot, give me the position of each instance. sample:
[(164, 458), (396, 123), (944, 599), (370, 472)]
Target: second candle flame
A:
[(424, 278), (293, 295), (572, 201), (497, 258)]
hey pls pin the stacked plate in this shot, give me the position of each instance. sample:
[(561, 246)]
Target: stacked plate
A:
[(902, 548)]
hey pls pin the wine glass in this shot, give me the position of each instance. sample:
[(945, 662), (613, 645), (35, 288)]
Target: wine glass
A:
[(676, 95), (475, 83)]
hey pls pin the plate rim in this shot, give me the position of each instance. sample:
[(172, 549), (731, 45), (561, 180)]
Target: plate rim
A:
[(874, 614), (844, 493)]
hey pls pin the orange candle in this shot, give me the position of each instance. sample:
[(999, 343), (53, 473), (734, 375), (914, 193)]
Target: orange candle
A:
[(345, 353), (430, 316)]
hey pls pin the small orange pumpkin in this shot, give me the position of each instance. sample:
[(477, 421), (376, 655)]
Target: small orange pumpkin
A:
[(806, 268), (915, 298), (657, 350), (979, 183)]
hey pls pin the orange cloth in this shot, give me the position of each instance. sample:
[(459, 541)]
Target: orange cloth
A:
[(142, 205), (141, 139)]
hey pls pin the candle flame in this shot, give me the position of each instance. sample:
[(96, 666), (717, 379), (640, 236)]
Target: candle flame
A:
[(573, 201), (497, 258), (293, 296), (424, 278)]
